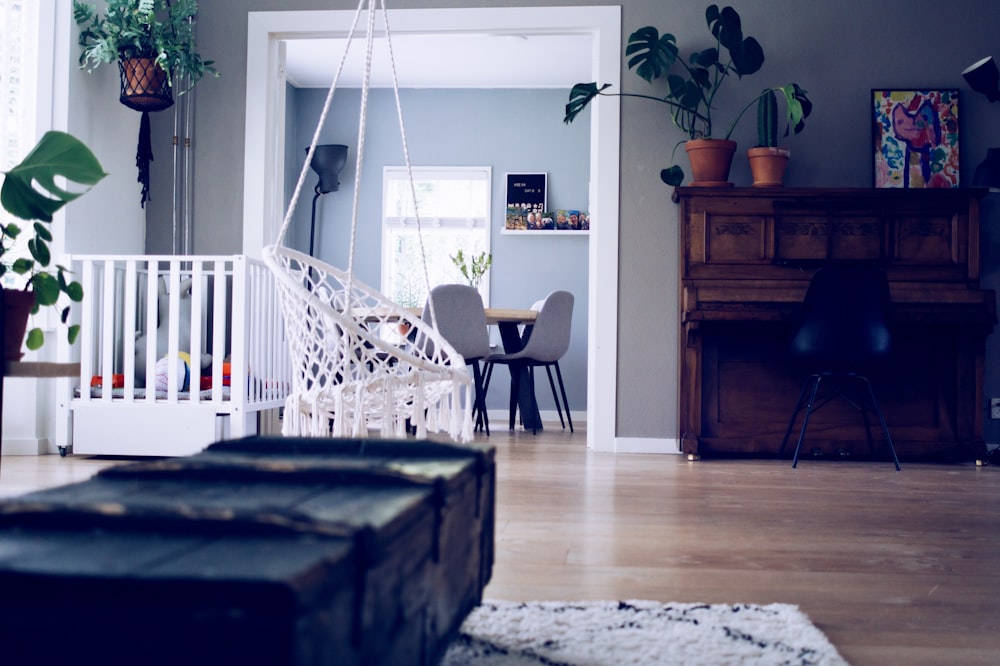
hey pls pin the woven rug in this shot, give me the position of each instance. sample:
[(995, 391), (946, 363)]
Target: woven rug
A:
[(638, 632)]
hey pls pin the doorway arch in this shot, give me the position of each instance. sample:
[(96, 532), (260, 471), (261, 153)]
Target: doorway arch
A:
[(264, 150)]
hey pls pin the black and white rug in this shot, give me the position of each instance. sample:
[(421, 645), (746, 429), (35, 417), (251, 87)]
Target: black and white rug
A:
[(556, 633)]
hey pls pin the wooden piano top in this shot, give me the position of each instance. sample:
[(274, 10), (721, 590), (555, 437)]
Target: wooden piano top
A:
[(747, 254)]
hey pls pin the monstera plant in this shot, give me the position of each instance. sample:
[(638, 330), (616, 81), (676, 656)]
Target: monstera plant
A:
[(30, 193), (694, 82)]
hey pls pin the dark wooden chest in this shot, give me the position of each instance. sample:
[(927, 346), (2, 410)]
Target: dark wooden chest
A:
[(257, 551)]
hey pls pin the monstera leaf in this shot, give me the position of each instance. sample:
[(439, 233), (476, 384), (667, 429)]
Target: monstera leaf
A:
[(57, 154)]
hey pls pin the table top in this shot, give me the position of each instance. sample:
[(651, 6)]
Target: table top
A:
[(510, 315)]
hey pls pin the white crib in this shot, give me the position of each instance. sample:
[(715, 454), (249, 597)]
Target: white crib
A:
[(234, 319)]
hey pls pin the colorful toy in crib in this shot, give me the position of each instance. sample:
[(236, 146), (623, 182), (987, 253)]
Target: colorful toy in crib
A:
[(183, 372)]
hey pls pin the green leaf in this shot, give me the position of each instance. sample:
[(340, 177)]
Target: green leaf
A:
[(43, 232), (73, 333), (650, 55), (672, 176), (46, 288), (40, 251), (56, 154), (579, 97), (12, 230), (35, 339), (22, 265), (75, 291)]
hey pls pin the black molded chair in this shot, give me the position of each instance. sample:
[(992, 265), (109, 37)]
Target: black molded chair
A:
[(843, 333)]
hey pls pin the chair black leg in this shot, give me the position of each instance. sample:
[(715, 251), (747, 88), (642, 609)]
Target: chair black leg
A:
[(562, 388), (881, 420), (534, 399), (515, 388), (555, 396), (482, 419), (805, 420), (795, 414)]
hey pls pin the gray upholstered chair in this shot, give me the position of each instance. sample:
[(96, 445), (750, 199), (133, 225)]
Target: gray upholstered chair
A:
[(461, 320), (547, 342)]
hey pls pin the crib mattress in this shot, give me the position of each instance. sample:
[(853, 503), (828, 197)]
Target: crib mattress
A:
[(97, 392)]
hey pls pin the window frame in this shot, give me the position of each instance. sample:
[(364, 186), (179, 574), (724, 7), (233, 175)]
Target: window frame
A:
[(430, 222)]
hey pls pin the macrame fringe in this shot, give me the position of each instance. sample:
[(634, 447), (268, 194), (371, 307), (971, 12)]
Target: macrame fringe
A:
[(143, 156)]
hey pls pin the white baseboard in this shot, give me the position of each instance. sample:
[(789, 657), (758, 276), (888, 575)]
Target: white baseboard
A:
[(26, 446), (647, 445)]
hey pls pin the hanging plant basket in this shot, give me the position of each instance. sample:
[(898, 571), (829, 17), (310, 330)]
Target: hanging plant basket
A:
[(144, 85)]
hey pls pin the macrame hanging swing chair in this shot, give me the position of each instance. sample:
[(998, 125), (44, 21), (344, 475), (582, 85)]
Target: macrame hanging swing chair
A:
[(347, 380)]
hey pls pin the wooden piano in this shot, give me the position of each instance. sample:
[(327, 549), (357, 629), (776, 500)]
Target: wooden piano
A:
[(747, 255)]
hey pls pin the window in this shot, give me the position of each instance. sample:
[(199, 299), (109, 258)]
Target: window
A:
[(19, 89), (454, 205)]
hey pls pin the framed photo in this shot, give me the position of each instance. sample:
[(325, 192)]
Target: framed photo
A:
[(915, 138), (525, 201)]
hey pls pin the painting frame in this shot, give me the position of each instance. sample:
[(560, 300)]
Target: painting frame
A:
[(915, 138)]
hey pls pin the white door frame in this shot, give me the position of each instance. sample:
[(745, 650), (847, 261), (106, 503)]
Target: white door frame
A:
[(263, 191)]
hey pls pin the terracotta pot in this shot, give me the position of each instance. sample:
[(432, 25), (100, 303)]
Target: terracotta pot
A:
[(767, 165), (16, 307), (143, 85), (710, 161)]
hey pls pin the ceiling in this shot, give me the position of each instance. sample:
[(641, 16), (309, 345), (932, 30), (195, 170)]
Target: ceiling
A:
[(454, 60)]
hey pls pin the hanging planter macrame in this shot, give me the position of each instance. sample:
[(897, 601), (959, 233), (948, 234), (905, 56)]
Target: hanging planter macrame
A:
[(144, 85), (145, 88), (153, 42)]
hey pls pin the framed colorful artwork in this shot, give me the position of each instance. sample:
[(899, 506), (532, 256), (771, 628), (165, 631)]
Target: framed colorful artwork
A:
[(915, 138)]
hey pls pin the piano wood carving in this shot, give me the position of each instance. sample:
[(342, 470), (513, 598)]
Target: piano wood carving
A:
[(747, 256)]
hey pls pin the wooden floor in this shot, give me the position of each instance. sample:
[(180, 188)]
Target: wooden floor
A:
[(895, 568)]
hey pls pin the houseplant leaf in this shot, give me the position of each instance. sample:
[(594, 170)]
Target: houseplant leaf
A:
[(57, 154)]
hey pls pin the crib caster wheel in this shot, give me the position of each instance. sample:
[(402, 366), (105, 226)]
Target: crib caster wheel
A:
[(62, 451)]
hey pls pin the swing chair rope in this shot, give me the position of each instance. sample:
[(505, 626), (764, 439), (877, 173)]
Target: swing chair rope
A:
[(348, 377)]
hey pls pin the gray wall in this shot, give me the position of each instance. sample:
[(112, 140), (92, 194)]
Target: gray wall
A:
[(508, 130), (838, 51)]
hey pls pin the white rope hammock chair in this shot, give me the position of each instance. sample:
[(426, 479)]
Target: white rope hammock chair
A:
[(347, 379)]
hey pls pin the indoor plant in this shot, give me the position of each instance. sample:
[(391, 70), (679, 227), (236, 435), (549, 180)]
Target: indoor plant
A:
[(767, 160), (158, 30), (475, 270), (56, 154), (694, 83)]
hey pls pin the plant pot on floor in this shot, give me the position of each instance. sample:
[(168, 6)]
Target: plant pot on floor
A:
[(710, 161), (17, 305), (767, 166)]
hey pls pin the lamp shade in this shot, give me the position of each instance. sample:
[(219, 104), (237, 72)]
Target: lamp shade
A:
[(328, 161), (984, 77)]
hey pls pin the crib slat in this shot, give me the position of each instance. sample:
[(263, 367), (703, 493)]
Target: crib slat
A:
[(129, 318), (197, 287), (152, 280)]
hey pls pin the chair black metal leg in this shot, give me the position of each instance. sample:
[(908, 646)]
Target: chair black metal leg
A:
[(515, 389), (534, 399), (805, 420), (881, 420), (562, 388), (482, 419), (795, 414), (555, 396)]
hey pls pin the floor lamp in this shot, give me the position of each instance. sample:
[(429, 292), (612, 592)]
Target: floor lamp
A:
[(327, 161), (984, 77)]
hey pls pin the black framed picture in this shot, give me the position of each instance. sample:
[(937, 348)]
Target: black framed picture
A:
[(525, 201)]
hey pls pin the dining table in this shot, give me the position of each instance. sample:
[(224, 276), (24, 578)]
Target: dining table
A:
[(509, 322)]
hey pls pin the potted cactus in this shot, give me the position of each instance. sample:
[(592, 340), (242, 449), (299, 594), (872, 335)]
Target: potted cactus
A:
[(767, 160)]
